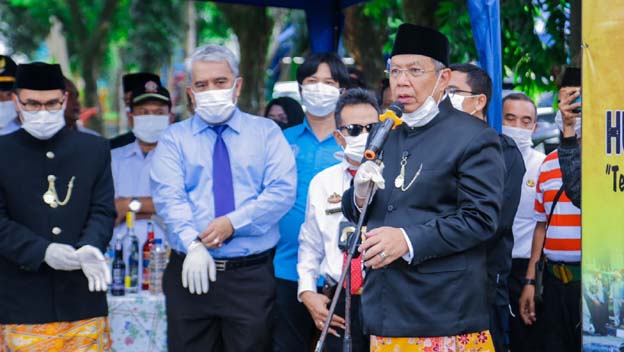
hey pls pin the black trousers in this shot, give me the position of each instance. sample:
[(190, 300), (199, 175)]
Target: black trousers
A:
[(562, 315), (294, 328), (359, 341), (522, 338), (234, 316)]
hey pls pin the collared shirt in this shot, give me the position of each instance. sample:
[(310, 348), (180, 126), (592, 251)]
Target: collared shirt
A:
[(10, 127), (131, 177), (264, 179), (312, 157), (319, 254), (524, 222)]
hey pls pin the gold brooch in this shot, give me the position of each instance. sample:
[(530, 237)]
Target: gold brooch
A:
[(50, 197)]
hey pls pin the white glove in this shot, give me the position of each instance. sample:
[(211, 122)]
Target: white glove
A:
[(94, 267), (368, 172), (61, 257), (197, 266)]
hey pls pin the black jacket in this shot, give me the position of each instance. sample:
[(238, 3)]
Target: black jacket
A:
[(500, 247), (449, 214), (570, 161), (30, 291), (122, 139)]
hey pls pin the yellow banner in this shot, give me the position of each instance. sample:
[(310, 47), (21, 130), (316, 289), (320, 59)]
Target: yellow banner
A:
[(603, 175)]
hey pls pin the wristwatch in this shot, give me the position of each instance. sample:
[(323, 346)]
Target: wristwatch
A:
[(135, 205), (529, 282)]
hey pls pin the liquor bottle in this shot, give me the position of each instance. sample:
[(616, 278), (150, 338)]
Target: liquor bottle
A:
[(147, 248), (119, 269), (132, 274), (158, 262)]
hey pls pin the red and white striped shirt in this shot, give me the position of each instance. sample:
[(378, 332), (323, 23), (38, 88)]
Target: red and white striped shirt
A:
[(563, 238)]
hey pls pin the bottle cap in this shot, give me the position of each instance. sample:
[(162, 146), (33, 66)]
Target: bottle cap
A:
[(130, 219)]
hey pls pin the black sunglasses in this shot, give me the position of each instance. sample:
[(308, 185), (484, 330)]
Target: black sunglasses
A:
[(356, 130)]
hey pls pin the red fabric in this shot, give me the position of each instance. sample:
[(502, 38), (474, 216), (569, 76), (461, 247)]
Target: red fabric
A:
[(357, 279), (352, 172)]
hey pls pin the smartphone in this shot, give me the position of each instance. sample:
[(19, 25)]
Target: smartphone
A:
[(577, 100)]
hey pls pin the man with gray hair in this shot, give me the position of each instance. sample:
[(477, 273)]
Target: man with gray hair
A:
[(221, 180)]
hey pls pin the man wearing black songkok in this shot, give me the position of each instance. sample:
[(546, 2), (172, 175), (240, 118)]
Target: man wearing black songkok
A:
[(56, 219), (437, 204)]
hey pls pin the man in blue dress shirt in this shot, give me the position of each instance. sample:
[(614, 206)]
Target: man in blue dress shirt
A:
[(321, 78), (221, 181)]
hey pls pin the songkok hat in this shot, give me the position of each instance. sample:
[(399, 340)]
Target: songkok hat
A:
[(571, 77), (419, 40), (7, 72), (132, 81), (39, 76), (150, 91)]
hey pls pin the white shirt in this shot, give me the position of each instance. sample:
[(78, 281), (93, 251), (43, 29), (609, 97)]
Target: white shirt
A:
[(131, 177), (318, 238), (524, 222)]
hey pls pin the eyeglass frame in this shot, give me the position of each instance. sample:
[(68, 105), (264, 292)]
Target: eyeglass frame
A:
[(39, 105), (410, 71), (453, 91)]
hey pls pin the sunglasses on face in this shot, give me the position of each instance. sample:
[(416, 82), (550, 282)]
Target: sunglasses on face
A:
[(356, 130)]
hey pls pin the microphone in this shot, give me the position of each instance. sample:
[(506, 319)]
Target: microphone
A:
[(389, 121)]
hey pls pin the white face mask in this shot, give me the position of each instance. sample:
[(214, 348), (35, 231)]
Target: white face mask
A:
[(559, 123), (354, 150), (319, 99), (148, 128), (425, 113), (457, 101), (43, 124), (7, 113), (522, 136), (215, 106)]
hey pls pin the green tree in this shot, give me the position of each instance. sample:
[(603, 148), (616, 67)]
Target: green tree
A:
[(156, 28), (86, 26), (253, 27), (531, 62)]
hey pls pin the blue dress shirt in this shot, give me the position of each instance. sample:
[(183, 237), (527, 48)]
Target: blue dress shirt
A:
[(313, 156), (10, 127), (264, 178)]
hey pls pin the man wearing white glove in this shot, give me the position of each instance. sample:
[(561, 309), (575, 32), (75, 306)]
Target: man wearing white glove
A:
[(94, 267), (221, 181), (56, 217), (368, 172), (61, 257), (197, 267)]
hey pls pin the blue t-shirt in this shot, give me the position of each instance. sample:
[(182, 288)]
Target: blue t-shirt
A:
[(312, 156)]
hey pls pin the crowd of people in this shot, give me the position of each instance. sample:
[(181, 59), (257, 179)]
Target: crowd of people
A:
[(258, 210)]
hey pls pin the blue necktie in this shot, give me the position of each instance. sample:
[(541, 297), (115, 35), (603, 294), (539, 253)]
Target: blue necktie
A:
[(222, 186)]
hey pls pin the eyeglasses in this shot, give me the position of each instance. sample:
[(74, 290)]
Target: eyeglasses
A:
[(52, 105), (412, 71), (453, 91), (356, 130)]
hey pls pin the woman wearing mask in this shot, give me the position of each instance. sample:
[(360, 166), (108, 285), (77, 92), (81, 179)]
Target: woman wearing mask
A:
[(321, 78), (285, 111)]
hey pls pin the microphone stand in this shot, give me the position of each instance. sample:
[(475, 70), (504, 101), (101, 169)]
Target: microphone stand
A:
[(346, 275)]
